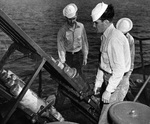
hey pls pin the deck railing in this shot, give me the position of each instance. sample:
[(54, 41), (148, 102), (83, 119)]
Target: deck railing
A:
[(141, 40)]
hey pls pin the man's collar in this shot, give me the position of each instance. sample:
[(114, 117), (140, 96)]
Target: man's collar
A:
[(111, 26), (76, 26)]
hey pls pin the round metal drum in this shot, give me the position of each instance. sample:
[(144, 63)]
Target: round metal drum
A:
[(65, 122), (127, 112)]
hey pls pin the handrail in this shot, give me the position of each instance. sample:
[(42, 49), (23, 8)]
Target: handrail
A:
[(143, 68), (140, 39)]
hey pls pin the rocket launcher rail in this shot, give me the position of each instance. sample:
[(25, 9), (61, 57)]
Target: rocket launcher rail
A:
[(63, 74), (22, 39)]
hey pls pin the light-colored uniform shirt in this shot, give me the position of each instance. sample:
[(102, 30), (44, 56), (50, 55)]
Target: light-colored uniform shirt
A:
[(72, 40), (132, 49), (115, 57)]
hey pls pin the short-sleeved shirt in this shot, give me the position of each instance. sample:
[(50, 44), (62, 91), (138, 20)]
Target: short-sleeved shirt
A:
[(72, 40)]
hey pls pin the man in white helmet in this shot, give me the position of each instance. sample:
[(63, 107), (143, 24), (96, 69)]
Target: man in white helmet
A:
[(115, 60), (125, 25), (72, 40)]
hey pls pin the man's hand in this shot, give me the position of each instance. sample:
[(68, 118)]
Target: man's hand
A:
[(84, 61), (97, 90), (106, 97)]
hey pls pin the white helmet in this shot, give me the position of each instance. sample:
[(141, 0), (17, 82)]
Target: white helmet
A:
[(98, 11), (70, 10), (124, 25)]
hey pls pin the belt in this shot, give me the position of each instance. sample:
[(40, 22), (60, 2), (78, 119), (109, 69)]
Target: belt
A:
[(125, 73), (111, 74), (73, 53), (108, 75)]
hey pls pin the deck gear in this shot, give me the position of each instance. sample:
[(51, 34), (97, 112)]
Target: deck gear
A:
[(128, 112)]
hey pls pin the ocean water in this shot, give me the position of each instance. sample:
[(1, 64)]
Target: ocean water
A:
[(41, 20)]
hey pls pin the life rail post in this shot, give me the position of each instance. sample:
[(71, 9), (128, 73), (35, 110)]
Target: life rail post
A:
[(141, 40)]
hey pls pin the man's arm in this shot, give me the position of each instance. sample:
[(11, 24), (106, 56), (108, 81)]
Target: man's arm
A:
[(98, 81), (60, 46), (85, 46)]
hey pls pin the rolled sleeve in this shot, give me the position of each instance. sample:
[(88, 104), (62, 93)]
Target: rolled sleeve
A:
[(99, 78), (85, 45), (60, 46)]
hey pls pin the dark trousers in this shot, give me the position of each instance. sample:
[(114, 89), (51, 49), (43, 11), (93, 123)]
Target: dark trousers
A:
[(74, 60)]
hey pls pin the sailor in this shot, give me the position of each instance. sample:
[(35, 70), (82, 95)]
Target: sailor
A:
[(115, 60), (72, 40), (125, 25)]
